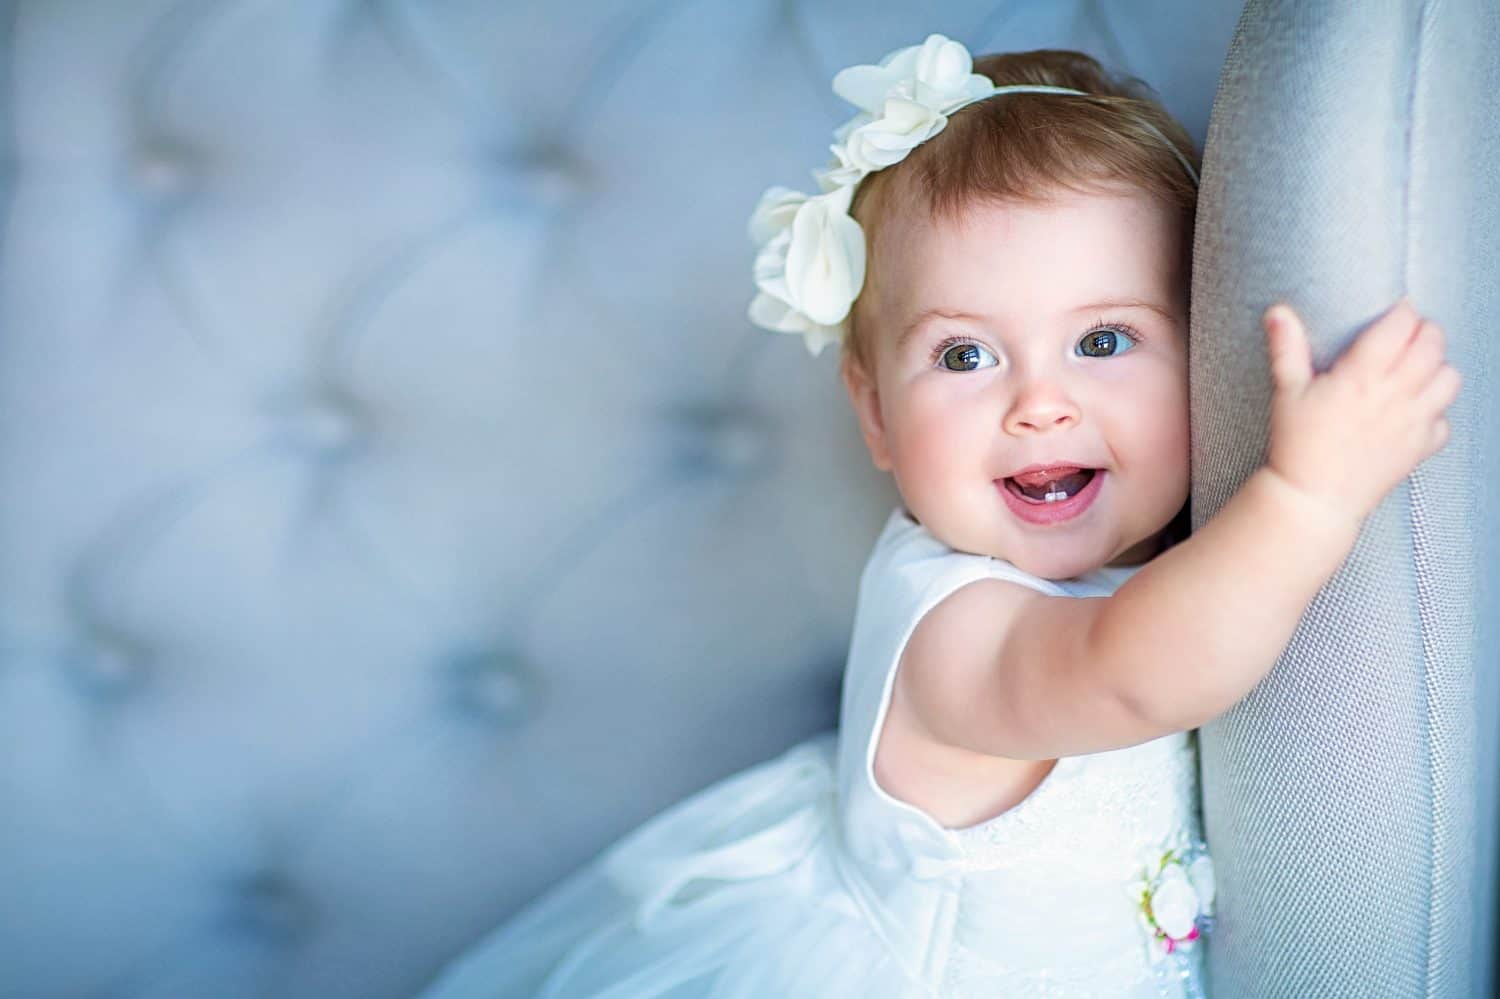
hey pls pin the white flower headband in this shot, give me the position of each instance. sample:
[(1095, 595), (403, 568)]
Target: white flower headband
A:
[(811, 260)]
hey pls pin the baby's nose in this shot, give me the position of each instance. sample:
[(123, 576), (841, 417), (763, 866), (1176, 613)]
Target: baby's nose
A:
[(1040, 408)]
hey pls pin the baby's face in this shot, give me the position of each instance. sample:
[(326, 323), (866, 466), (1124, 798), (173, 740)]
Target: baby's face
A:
[(1028, 367)]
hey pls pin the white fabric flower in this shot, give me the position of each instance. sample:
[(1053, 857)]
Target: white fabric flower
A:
[(842, 133), (811, 260), (937, 74), (775, 211), (905, 100), (811, 267), (887, 140), (1174, 903), (841, 170)]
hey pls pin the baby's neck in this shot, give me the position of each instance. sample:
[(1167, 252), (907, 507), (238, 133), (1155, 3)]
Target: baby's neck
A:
[(1136, 555)]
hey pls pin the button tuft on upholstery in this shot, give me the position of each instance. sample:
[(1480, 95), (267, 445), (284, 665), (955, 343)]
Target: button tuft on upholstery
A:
[(108, 665), (165, 169), (325, 424), (546, 177), (715, 440), (268, 907), (495, 685)]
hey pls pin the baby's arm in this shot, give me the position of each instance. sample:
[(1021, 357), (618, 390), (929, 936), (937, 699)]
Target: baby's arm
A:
[(1194, 630), (1191, 633), (1197, 628)]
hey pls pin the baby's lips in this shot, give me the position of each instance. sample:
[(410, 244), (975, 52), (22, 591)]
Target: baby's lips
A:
[(1038, 479)]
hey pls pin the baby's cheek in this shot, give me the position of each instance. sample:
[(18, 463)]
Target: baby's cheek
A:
[(1175, 447)]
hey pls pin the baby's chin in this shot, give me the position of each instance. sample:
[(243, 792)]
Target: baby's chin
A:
[(1068, 559), (1052, 565), (1055, 563), (1061, 564)]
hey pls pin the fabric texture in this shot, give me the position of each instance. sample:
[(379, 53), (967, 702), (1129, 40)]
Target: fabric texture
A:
[(802, 877), (1351, 158)]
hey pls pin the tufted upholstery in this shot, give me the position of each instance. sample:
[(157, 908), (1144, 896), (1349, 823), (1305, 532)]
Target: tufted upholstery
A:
[(398, 506)]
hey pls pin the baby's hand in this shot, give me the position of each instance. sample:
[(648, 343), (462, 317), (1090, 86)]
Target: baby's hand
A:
[(1348, 436)]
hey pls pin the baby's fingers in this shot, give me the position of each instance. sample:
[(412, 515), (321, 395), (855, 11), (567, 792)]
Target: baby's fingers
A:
[(1376, 349), (1439, 393), (1440, 434), (1288, 350), (1420, 361)]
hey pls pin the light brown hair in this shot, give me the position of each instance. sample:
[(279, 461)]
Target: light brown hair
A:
[(1019, 147)]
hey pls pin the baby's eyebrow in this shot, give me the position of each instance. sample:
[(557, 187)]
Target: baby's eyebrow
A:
[(926, 314), (1129, 304)]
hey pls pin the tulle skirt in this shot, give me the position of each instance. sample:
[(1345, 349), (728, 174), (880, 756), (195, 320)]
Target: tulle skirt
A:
[(734, 892)]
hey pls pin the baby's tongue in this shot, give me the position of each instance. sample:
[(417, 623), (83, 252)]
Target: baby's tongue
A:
[(1070, 479)]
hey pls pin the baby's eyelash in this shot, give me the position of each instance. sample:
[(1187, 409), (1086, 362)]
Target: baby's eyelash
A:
[(1119, 327), (1102, 324), (947, 342), (1125, 328)]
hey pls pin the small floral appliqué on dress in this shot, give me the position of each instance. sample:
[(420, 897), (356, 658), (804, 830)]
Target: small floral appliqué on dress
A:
[(1175, 894)]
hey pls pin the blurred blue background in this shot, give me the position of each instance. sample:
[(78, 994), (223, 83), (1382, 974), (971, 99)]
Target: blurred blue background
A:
[(398, 505)]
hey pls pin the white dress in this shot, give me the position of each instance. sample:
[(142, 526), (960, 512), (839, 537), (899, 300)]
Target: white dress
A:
[(802, 877)]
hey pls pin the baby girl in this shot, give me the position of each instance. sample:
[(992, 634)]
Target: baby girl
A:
[(1001, 251)]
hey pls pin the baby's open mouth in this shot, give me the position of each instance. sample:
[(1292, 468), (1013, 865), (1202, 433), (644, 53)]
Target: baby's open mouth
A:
[(1042, 488)]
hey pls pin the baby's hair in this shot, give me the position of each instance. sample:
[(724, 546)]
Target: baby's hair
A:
[(1021, 147)]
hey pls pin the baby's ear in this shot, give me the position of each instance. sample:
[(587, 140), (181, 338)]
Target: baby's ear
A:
[(866, 402)]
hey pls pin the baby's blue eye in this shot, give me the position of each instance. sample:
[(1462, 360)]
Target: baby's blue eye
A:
[(1105, 340), (964, 356), (958, 354)]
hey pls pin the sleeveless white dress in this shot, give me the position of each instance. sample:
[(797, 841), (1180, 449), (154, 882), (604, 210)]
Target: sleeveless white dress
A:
[(802, 877)]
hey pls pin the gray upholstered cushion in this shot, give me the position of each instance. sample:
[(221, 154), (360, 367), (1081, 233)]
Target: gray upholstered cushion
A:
[(1351, 157)]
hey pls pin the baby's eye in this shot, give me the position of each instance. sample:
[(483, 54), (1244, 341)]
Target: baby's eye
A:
[(1105, 340), (963, 355)]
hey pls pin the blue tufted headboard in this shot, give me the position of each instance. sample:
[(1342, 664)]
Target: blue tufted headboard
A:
[(398, 506)]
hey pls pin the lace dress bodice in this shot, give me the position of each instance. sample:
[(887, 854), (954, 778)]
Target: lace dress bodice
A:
[(1081, 841), (1044, 898)]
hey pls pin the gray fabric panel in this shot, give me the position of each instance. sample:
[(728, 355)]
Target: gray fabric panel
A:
[(1351, 156)]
